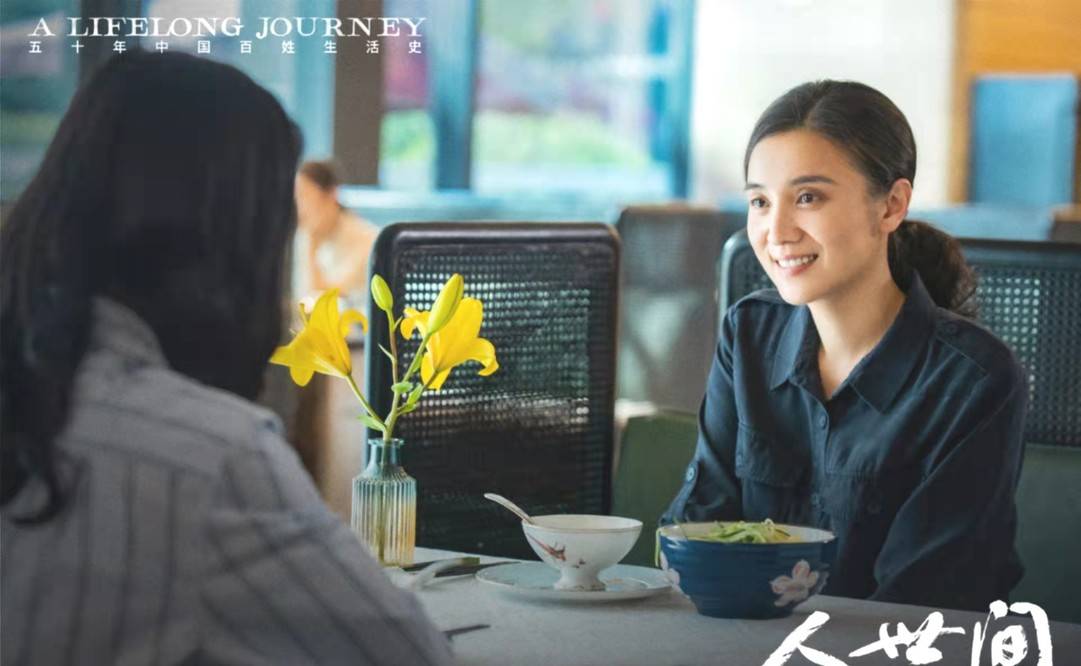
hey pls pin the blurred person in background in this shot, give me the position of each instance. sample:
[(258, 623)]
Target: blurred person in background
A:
[(150, 512), (333, 243)]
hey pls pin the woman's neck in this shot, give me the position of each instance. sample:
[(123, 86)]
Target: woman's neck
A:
[(851, 323), (329, 230)]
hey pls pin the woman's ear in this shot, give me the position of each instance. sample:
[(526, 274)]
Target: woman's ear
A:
[(897, 200)]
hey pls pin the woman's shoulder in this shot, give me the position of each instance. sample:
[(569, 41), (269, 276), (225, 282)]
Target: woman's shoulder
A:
[(976, 345), (356, 227), (760, 309), (760, 323), (194, 424)]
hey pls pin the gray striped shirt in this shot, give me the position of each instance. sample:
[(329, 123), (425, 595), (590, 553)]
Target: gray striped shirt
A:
[(192, 535)]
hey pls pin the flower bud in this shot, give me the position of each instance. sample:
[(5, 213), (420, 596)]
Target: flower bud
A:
[(381, 294), (446, 304)]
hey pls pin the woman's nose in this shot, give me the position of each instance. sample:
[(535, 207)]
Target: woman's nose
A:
[(782, 227)]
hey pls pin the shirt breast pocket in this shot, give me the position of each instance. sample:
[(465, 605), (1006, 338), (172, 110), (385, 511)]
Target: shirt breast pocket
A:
[(867, 499), (759, 458), (772, 475)]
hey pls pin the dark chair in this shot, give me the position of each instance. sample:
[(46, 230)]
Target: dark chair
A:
[(1048, 524), (740, 272), (540, 429), (669, 297), (653, 458), (1029, 294)]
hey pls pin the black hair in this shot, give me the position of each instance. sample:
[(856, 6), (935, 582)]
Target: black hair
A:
[(876, 136), (168, 188)]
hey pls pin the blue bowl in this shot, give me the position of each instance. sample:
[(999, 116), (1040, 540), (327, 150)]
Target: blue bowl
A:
[(746, 580)]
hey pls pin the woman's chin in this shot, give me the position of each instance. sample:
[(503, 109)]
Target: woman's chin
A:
[(796, 294)]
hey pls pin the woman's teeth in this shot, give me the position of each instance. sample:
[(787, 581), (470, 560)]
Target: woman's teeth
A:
[(797, 261)]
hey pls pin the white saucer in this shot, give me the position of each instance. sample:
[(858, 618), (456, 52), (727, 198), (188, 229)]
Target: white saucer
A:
[(535, 580)]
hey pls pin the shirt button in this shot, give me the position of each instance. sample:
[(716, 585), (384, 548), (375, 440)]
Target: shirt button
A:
[(949, 328), (823, 420), (690, 472)]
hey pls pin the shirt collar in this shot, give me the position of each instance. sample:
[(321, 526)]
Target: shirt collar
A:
[(882, 373), (799, 341), (118, 329)]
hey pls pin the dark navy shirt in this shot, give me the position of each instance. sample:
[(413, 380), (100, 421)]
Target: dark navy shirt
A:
[(912, 463)]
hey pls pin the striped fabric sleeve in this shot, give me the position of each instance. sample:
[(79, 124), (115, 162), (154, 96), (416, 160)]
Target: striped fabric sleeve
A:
[(288, 582)]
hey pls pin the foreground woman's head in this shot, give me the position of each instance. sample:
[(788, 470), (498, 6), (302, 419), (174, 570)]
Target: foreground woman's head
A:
[(168, 188)]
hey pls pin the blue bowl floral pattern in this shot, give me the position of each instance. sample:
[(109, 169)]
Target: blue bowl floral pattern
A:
[(737, 580)]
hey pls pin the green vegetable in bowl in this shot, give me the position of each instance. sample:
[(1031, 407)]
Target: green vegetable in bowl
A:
[(736, 532), (741, 532)]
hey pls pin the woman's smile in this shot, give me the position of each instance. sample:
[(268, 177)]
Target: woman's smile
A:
[(793, 264)]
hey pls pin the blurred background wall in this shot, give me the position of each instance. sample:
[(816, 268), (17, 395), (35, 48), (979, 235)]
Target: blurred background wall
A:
[(748, 54)]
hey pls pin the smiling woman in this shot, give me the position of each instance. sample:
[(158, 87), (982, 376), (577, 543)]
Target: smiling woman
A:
[(858, 396)]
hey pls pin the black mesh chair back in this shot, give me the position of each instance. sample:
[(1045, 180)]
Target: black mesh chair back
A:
[(1029, 295), (740, 272), (669, 297), (539, 430)]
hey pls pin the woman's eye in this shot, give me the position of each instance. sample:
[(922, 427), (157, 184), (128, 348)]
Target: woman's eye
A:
[(757, 202), (806, 197)]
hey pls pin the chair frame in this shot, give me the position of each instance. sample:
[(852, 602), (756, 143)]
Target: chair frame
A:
[(395, 239)]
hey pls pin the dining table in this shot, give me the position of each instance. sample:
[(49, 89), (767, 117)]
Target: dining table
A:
[(491, 625)]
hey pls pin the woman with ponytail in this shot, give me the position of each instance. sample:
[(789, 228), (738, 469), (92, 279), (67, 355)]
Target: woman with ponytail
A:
[(860, 396), (150, 513)]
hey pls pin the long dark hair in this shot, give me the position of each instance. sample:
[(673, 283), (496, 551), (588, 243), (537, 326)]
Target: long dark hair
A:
[(877, 137), (168, 188)]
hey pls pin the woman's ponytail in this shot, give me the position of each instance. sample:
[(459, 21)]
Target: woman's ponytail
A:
[(937, 258)]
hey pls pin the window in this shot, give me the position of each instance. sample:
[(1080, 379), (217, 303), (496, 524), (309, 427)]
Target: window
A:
[(36, 88), (302, 80), (407, 137), (514, 96), (502, 97), (573, 95)]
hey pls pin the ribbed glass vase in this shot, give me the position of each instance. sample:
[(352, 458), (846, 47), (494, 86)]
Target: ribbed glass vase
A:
[(385, 505)]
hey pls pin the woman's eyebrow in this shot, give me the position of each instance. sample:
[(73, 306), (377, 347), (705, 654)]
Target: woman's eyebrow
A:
[(814, 178), (801, 180)]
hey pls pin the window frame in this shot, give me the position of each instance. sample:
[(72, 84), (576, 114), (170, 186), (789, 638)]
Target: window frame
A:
[(452, 68)]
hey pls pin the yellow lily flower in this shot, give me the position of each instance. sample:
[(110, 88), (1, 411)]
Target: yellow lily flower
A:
[(454, 344), (320, 344), (446, 303)]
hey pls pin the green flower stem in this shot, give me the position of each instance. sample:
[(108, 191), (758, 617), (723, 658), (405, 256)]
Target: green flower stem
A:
[(380, 521), (426, 386), (360, 397), (393, 347), (391, 417), (395, 411), (415, 365)]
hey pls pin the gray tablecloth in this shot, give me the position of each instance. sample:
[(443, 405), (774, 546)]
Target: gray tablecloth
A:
[(666, 630)]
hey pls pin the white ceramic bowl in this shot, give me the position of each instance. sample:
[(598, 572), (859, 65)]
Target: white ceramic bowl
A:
[(581, 546)]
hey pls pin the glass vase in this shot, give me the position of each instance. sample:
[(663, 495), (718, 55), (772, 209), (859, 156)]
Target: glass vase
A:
[(385, 505)]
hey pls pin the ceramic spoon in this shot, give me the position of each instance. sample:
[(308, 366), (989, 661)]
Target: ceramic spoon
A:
[(510, 506)]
